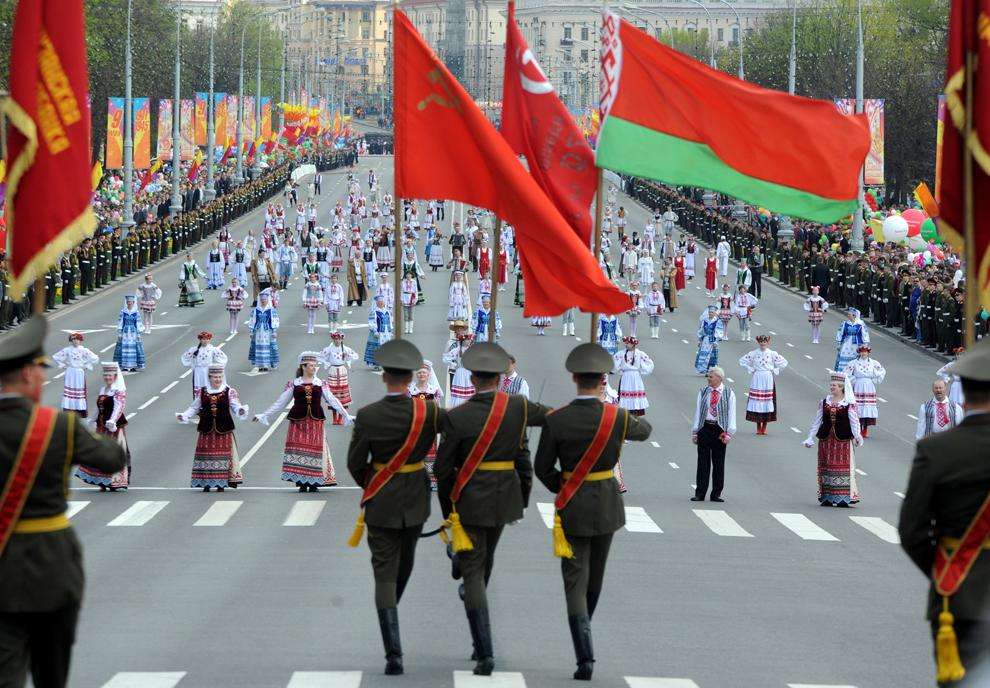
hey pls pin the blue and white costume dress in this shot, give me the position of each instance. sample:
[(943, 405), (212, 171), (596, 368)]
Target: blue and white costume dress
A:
[(129, 352), (848, 339), (264, 325), (379, 332), (609, 333), (709, 335)]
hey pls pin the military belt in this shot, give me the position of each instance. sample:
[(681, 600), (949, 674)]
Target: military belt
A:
[(594, 476), (406, 467), (44, 524), (496, 466)]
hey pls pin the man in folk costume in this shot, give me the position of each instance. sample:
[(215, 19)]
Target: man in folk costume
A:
[(763, 364), (866, 373), (945, 528), (234, 295), (357, 281), (148, 296), (390, 440), (579, 449), (655, 305), (480, 321), (484, 477), (722, 252), (408, 297), (286, 257), (337, 359), (816, 306), (333, 299), (939, 413), (200, 358), (215, 460), (513, 382), (75, 359), (631, 365), (744, 276), (262, 274), (713, 428)]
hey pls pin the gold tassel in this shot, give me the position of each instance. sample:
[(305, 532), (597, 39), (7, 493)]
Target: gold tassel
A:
[(458, 536), (949, 668), (355, 538), (561, 547)]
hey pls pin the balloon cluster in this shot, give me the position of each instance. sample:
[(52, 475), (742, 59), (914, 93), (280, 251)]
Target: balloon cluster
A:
[(913, 228)]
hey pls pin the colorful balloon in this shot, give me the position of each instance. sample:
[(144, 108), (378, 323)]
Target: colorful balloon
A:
[(895, 229), (928, 230), (914, 219), (917, 243)]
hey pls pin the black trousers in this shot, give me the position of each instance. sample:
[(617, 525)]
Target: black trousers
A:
[(711, 461), (973, 637), (476, 564), (393, 552), (584, 573), (756, 288), (41, 641)]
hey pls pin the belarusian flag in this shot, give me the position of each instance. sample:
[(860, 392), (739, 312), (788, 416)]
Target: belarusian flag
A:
[(667, 117)]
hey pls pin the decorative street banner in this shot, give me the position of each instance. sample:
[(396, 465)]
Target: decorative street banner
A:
[(201, 98), (115, 134), (142, 132), (873, 108), (250, 116), (266, 118), (220, 116), (232, 115), (164, 143), (187, 130), (939, 136)]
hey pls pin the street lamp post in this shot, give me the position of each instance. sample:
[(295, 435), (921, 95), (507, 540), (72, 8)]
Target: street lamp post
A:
[(176, 206), (211, 135), (856, 242), (711, 33), (792, 60), (256, 167), (281, 84), (647, 10), (239, 173), (128, 220), (742, 71)]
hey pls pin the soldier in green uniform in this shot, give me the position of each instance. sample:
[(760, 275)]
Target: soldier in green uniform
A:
[(484, 477), (391, 438), (585, 438), (41, 575), (944, 526)]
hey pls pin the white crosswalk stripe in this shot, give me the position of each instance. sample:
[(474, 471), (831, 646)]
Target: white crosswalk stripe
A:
[(804, 527), (546, 513), (74, 508), (721, 523), (145, 679), (304, 513), (138, 513), (498, 679), (219, 513), (878, 527), (325, 679), (656, 682), (638, 521)]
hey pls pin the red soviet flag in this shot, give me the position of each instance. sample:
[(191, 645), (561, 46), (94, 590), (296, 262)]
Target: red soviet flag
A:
[(49, 166), (537, 125), (446, 148)]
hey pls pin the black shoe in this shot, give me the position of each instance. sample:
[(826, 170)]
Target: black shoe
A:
[(206, 489), (388, 622), (696, 498), (481, 635), (716, 499), (302, 488), (583, 651), (314, 488)]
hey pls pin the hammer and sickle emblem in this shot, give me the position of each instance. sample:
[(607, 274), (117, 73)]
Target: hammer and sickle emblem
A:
[(446, 99)]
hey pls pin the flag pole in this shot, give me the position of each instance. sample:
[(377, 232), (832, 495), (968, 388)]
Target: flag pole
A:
[(396, 207), (972, 302), (599, 202), (495, 268)]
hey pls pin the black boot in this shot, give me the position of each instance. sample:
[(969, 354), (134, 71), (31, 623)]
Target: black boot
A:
[(585, 654), (388, 621), (481, 636)]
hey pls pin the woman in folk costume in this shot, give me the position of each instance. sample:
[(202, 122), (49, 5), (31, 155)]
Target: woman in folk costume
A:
[(386, 290), (239, 259), (541, 323), (189, 291), (129, 351), (654, 304), (425, 385), (679, 277), (457, 262), (763, 364), (408, 298), (629, 263), (484, 287), (851, 335), (337, 359), (459, 297), (567, 322), (200, 358), (226, 244), (645, 268), (234, 295), (214, 267), (725, 309), (689, 253), (709, 334), (110, 421), (632, 364), (383, 251), (264, 323), (742, 307), (434, 246), (836, 426), (310, 266), (609, 333), (461, 388), (866, 373), (410, 265), (312, 300), (637, 306), (711, 274), (484, 258), (371, 267), (148, 296), (75, 359), (379, 330), (480, 319), (322, 254), (333, 299), (215, 460), (337, 248), (306, 461), (816, 306)]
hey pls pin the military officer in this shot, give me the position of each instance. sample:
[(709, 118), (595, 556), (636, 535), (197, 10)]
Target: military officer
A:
[(484, 477), (391, 437), (41, 576), (945, 527), (585, 439)]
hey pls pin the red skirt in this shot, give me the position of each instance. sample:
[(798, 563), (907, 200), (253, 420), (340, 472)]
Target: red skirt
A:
[(214, 464), (306, 460), (339, 384)]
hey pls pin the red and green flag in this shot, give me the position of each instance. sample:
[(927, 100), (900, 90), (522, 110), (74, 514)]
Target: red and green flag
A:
[(666, 116)]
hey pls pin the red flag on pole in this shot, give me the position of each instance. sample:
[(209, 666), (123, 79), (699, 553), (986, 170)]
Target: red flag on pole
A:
[(537, 125), (48, 189), (468, 160)]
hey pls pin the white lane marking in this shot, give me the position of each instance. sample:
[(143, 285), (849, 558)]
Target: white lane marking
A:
[(878, 527), (168, 387), (663, 319), (674, 330), (163, 314), (546, 513), (59, 375), (74, 508), (349, 312), (861, 472), (789, 344), (720, 523), (46, 382), (148, 403), (899, 494), (578, 339), (638, 521), (304, 513), (130, 415), (139, 513), (808, 357), (797, 430), (804, 527), (685, 341), (108, 347), (264, 438), (730, 379), (656, 682), (325, 679), (230, 337), (185, 374), (912, 416), (145, 679), (758, 324), (881, 400), (655, 444), (498, 679), (219, 513), (773, 333), (673, 465)]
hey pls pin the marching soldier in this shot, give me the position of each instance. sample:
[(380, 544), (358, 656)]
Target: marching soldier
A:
[(585, 438), (390, 440), (41, 575), (945, 528), (484, 477)]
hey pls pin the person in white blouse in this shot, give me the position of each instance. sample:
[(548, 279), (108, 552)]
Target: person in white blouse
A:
[(722, 252), (866, 373), (836, 426), (200, 358), (712, 429), (631, 365), (763, 364), (75, 359), (939, 413)]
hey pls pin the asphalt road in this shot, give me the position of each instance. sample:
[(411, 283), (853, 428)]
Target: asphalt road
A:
[(256, 587)]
